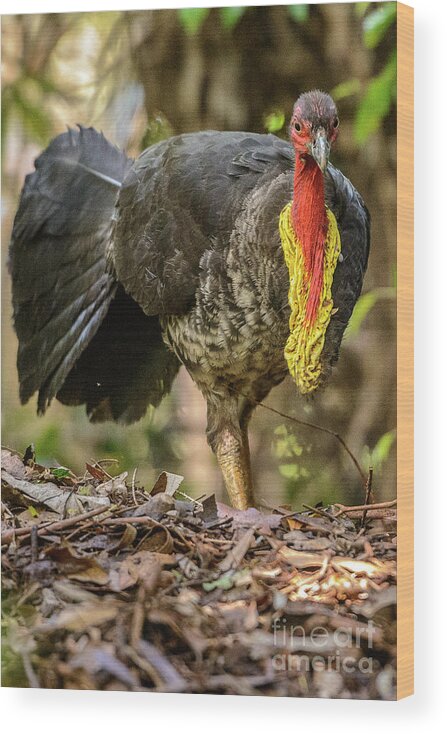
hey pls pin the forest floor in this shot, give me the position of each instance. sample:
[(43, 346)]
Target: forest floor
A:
[(111, 586)]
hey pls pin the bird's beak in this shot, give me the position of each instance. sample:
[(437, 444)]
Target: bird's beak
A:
[(321, 149)]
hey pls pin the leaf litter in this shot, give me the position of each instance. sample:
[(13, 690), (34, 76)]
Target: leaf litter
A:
[(149, 590)]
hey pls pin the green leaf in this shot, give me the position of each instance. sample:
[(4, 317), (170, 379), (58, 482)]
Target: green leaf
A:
[(192, 19), (381, 451), (361, 8), (299, 13), (231, 16), (376, 102), (158, 128), (274, 122), (364, 305), (32, 511), (286, 446), (394, 276), (361, 311), (382, 448), (377, 23), (346, 89), (34, 118), (60, 472), (289, 471)]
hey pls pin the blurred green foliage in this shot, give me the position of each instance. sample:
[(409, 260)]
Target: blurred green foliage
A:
[(296, 464), (274, 121), (19, 98), (300, 13), (376, 102), (158, 128), (22, 98), (364, 305), (192, 19), (381, 90), (231, 15), (346, 89), (378, 455), (377, 23)]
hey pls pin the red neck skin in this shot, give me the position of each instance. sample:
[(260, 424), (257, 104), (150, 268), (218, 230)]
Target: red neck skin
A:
[(310, 224)]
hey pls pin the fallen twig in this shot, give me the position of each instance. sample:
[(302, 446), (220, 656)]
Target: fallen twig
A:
[(320, 511), (143, 520), (346, 509), (9, 535)]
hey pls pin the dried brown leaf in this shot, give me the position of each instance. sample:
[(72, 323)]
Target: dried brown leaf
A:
[(143, 567), (13, 464), (79, 568), (113, 487), (167, 482), (158, 540), (248, 518), (80, 617), (236, 554), (56, 498)]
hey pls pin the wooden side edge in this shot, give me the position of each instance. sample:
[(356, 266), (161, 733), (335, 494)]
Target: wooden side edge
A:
[(405, 243)]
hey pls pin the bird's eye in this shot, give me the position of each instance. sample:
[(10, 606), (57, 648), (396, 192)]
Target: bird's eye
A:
[(336, 123), (297, 127)]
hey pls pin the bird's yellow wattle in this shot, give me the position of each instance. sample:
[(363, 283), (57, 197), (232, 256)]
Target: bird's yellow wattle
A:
[(306, 340)]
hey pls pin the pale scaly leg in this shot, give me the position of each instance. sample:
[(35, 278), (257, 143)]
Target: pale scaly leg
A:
[(230, 445), (234, 463), (260, 391)]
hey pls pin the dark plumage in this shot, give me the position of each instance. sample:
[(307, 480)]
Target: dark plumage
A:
[(114, 287)]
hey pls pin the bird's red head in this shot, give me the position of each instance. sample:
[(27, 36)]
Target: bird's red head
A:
[(314, 126)]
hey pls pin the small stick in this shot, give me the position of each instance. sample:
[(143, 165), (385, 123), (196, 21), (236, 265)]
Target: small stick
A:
[(373, 506), (34, 544), (386, 514), (190, 499), (368, 495), (144, 519), (133, 486), (319, 511), (9, 535), (117, 510)]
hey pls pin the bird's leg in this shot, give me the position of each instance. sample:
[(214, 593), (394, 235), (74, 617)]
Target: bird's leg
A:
[(244, 419), (227, 441), (236, 471), (260, 391)]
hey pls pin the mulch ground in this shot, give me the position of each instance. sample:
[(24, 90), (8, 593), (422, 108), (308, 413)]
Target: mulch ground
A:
[(110, 586)]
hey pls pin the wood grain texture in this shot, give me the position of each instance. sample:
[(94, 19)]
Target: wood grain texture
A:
[(405, 242)]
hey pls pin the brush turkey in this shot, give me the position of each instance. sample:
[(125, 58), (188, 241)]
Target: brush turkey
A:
[(124, 270)]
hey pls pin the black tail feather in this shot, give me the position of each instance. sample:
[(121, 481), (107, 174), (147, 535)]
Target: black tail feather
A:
[(125, 368), (61, 287)]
